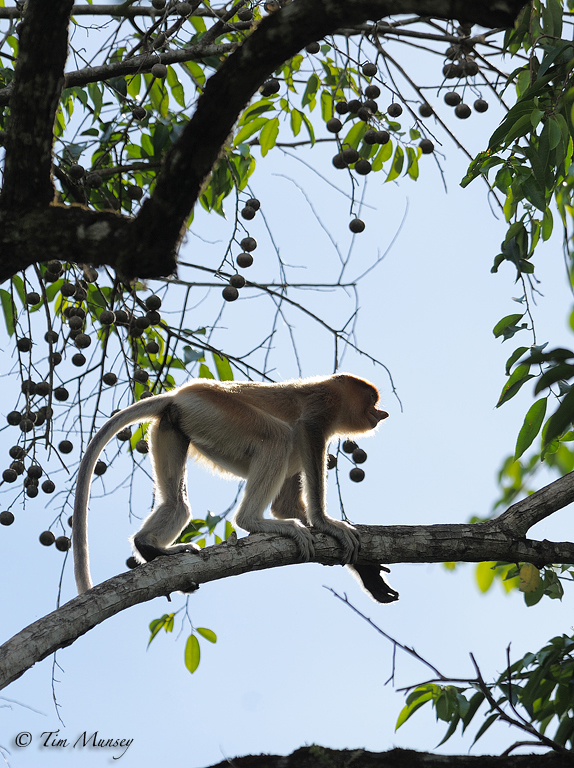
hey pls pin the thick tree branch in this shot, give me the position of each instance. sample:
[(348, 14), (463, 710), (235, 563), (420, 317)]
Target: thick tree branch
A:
[(38, 80), (499, 539), (316, 756)]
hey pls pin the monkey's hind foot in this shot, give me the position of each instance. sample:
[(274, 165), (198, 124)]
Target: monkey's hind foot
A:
[(149, 552)]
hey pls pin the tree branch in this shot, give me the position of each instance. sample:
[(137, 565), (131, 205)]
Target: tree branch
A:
[(38, 81), (499, 539)]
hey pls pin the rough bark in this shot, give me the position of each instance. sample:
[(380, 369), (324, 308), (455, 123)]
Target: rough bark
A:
[(499, 539), (322, 757), (147, 246)]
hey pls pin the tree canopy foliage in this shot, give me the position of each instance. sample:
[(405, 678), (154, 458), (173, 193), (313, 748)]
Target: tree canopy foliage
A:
[(112, 143)]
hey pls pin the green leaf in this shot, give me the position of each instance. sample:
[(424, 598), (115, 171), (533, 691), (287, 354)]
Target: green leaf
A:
[(561, 419), (516, 355), (484, 575), (9, 310), (296, 120), (519, 377), (397, 166), (382, 156), (175, 86), (311, 89), (192, 653), (500, 327), (415, 700), (268, 135), (531, 427), (223, 368), (166, 622), (485, 726), (473, 706), (209, 634), (451, 729), (249, 129), (562, 371)]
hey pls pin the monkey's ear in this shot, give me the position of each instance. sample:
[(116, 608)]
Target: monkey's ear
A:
[(374, 583)]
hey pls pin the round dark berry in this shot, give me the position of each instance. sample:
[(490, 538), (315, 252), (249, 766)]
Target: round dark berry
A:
[(9, 475), (47, 538), (425, 110), (18, 467), (153, 317), (152, 347), (342, 108), (481, 105), (356, 226), (364, 114), (94, 180), (247, 213), (370, 137), (363, 167), (55, 358), (61, 394), (55, 266), (339, 161), (394, 110), (427, 147), (331, 461), (359, 456), (248, 244), (76, 172), (245, 14), (100, 468), (82, 341), (65, 446), (357, 474), (51, 337), (370, 69), (462, 111), (68, 289), (350, 155), (24, 344), (372, 105), (124, 434), (17, 452), (140, 375), (33, 297), (383, 137), (131, 562), (35, 471), (334, 125), (270, 87), (6, 517), (48, 486), (470, 68), (142, 322), (142, 446), (134, 192), (313, 48), (349, 446), (354, 106), (254, 203), (109, 379), (14, 418), (63, 543), (372, 91), (139, 112), (452, 98), (237, 281), (159, 70), (244, 260), (27, 425), (122, 317), (230, 293)]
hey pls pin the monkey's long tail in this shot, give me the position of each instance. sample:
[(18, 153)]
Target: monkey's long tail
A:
[(145, 410)]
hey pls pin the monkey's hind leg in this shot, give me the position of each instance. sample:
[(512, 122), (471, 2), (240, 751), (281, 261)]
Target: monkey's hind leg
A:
[(168, 451)]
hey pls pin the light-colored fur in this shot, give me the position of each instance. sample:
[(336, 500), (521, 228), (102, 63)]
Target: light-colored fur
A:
[(273, 435)]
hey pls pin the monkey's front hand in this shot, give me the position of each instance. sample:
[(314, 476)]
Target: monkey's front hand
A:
[(345, 534)]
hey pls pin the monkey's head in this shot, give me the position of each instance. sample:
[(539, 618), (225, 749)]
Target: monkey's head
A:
[(359, 412)]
